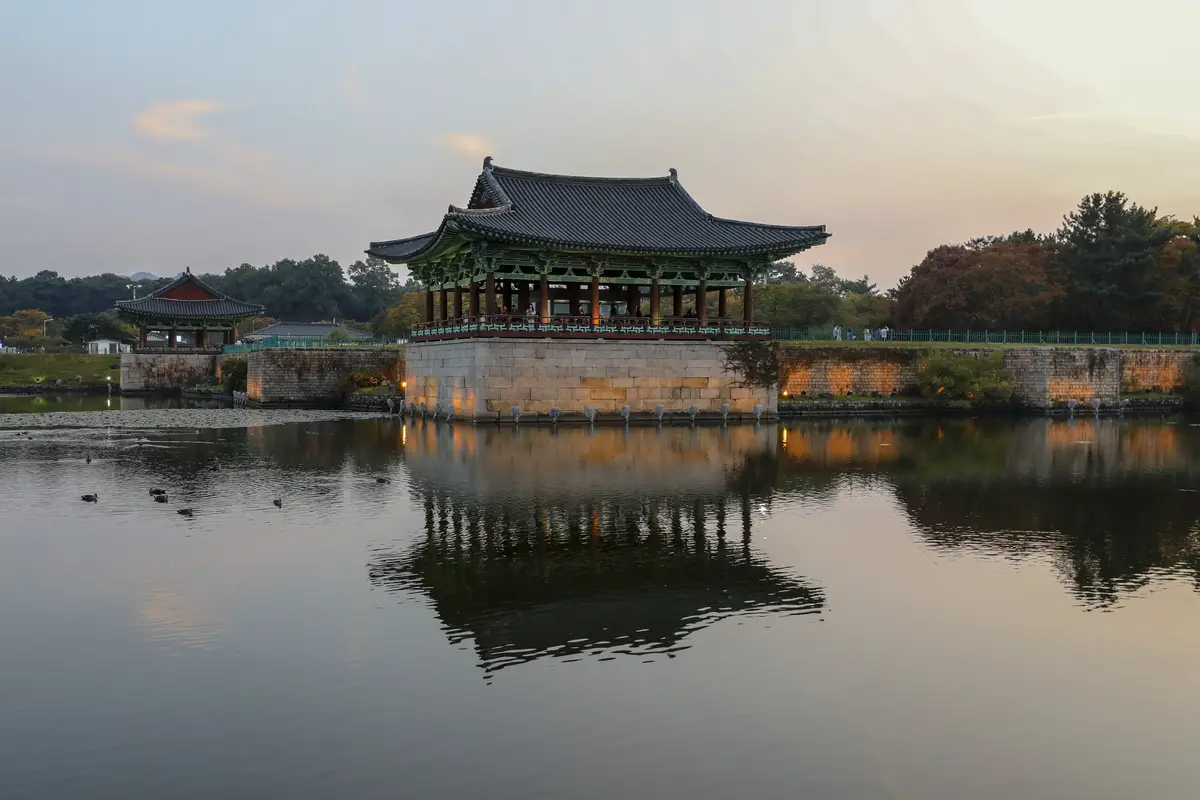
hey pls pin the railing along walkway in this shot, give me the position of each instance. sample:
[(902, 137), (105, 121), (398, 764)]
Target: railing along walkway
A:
[(1176, 339), (583, 327)]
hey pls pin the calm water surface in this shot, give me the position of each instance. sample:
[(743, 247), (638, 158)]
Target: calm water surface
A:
[(889, 610)]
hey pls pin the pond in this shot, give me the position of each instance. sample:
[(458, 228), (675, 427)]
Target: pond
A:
[(87, 401), (870, 609)]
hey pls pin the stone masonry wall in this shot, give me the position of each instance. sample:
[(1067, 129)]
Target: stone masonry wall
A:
[(313, 377), (485, 378), (161, 372), (1042, 376)]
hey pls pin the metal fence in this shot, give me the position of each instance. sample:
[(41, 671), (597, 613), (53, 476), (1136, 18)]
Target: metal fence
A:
[(304, 342), (996, 337)]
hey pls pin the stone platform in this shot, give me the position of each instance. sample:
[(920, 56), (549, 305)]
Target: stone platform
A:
[(482, 379), (162, 372)]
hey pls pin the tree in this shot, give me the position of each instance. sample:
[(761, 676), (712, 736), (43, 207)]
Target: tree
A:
[(376, 286), (399, 320), (782, 272), (1111, 253), (992, 283)]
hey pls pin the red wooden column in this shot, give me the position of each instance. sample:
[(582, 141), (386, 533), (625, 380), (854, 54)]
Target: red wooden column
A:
[(748, 300), (428, 304), (655, 316), (722, 310), (702, 302), (506, 296), (458, 305), (595, 300), (473, 298), (142, 336), (490, 295), (200, 336), (677, 311), (171, 338), (544, 299)]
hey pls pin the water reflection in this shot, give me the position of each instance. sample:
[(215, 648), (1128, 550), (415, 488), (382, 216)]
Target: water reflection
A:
[(52, 402), (618, 543), (1112, 504)]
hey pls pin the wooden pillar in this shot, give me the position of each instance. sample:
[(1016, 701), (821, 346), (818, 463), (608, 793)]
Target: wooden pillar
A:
[(702, 302), (748, 301), (506, 295), (595, 300), (442, 304), (200, 335), (171, 338), (473, 288), (655, 315), (142, 332), (490, 295), (522, 298), (544, 299), (677, 311), (632, 298), (573, 299), (722, 307), (428, 304), (458, 305)]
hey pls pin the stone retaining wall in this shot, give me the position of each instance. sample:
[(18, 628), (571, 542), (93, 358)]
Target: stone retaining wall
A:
[(314, 377), (485, 378), (162, 372), (1042, 376)]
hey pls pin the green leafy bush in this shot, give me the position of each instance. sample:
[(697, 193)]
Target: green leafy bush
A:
[(960, 381), (233, 374)]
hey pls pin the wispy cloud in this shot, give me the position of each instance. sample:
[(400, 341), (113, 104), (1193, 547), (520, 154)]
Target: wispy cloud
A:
[(471, 145), (177, 120)]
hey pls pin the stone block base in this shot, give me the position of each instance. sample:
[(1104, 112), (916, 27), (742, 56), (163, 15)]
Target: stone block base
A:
[(162, 372), (484, 378)]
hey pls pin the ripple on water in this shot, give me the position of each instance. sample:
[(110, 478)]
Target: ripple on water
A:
[(158, 418)]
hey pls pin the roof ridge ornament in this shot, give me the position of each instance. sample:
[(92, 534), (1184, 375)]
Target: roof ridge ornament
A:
[(674, 176), (487, 162)]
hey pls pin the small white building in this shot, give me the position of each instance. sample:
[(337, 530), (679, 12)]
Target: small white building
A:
[(106, 347)]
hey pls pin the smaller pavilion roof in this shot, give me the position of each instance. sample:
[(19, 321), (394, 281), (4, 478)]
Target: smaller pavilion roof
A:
[(188, 297)]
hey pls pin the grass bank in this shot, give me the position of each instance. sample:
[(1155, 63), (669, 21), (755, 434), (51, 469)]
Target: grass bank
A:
[(73, 369)]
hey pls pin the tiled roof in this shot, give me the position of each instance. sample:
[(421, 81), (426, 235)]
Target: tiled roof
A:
[(632, 215), (155, 305), (313, 329)]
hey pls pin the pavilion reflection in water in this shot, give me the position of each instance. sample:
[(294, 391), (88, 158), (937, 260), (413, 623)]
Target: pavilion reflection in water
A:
[(630, 567)]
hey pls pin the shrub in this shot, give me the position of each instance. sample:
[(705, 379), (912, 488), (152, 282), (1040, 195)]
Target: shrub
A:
[(233, 374), (1191, 380), (756, 363), (363, 380), (958, 381)]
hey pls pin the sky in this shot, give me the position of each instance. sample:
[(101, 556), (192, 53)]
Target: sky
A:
[(152, 136)]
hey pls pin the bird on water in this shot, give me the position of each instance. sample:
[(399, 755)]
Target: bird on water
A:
[(279, 502), (89, 498), (161, 498), (383, 480), (158, 491), (88, 460), (187, 512)]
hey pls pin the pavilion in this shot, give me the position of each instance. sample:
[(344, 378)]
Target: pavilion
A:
[(565, 256), (191, 313)]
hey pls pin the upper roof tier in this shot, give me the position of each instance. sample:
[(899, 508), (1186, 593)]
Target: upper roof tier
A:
[(615, 215), (188, 297)]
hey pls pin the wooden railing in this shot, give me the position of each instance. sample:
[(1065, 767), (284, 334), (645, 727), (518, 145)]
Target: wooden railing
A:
[(583, 327), (208, 349)]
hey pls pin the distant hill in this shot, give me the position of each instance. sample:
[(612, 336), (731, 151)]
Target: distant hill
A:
[(143, 276)]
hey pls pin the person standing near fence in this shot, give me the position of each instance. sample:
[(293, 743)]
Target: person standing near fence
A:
[(883, 332), (837, 333), (866, 334)]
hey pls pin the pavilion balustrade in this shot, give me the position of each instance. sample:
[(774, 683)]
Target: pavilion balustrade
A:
[(583, 326)]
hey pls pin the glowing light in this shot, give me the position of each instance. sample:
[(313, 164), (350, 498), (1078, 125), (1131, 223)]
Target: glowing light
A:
[(785, 437), (403, 384), (785, 394)]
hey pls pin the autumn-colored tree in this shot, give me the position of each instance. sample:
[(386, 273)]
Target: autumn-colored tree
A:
[(26, 322), (994, 283), (400, 319)]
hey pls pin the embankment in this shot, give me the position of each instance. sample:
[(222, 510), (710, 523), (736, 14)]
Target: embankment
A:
[(1043, 377)]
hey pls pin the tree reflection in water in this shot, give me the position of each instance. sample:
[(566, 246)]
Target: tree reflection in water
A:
[(1111, 503), (657, 548)]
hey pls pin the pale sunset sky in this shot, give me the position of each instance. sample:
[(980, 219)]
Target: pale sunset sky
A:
[(153, 135)]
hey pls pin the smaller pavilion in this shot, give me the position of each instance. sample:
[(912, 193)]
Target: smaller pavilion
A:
[(189, 313)]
